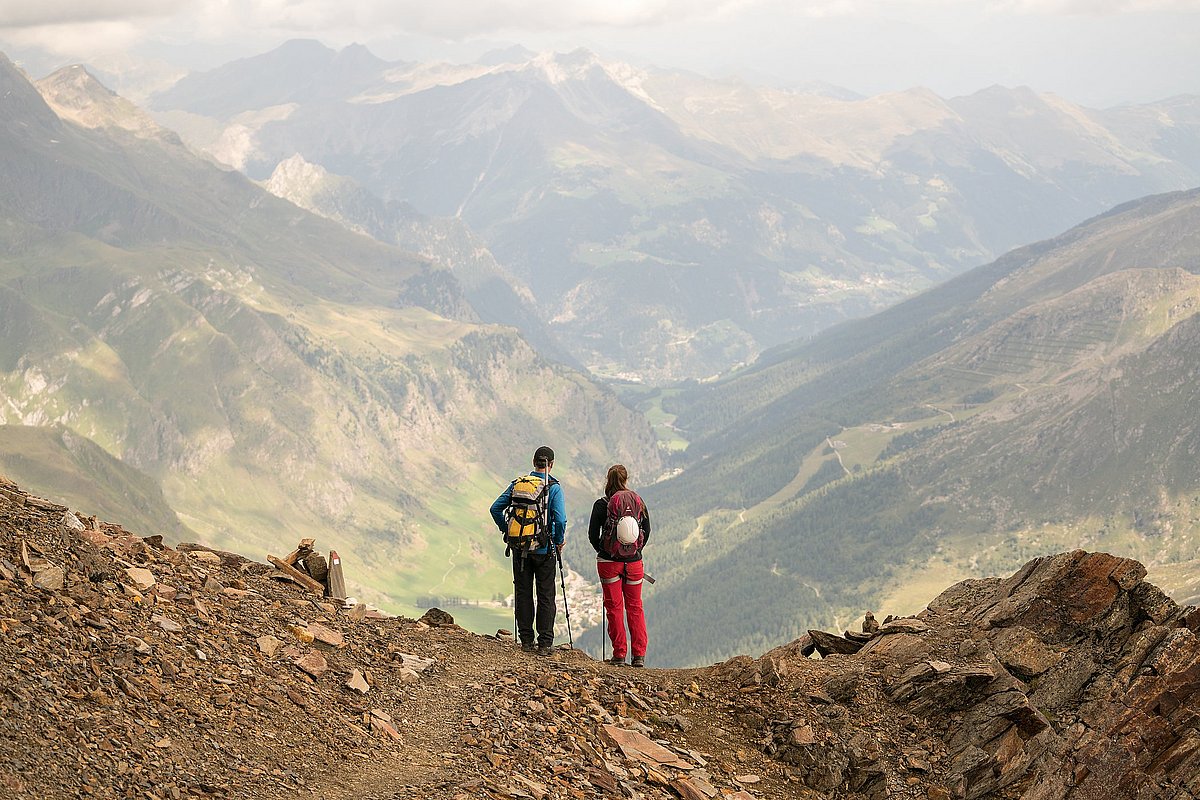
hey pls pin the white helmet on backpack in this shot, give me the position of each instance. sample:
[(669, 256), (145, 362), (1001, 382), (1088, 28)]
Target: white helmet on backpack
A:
[(627, 530)]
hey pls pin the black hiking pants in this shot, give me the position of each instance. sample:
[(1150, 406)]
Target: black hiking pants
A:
[(530, 572)]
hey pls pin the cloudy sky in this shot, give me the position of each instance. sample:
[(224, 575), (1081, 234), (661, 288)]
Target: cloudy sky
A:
[(1097, 52)]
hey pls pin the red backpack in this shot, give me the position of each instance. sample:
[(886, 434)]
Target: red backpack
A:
[(623, 536)]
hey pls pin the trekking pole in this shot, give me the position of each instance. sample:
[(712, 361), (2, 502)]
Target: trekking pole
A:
[(562, 577), (603, 626)]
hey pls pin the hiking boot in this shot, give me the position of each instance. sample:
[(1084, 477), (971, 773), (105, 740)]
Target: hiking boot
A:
[(615, 661), (527, 647), (638, 661), (545, 650)]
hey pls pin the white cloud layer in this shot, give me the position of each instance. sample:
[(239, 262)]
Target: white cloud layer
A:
[(452, 18), (1092, 51), (78, 38), (463, 18), (1095, 7), (47, 13)]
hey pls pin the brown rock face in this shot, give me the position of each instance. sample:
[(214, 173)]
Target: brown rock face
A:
[(1072, 679)]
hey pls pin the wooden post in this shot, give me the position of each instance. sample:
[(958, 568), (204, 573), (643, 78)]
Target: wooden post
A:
[(337, 582), (296, 575)]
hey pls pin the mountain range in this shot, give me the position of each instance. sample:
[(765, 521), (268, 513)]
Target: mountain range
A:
[(495, 293), (258, 371), (672, 226)]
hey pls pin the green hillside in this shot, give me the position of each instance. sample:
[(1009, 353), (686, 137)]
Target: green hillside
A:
[(236, 369), (1040, 403), (83, 476)]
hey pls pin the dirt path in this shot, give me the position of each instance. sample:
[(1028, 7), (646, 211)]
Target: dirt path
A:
[(837, 453), (464, 724), (942, 411), (446, 574)]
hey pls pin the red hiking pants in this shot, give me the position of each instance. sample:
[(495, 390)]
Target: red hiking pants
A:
[(623, 600)]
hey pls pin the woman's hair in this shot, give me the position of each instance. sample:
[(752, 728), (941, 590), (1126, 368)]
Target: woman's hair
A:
[(615, 481)]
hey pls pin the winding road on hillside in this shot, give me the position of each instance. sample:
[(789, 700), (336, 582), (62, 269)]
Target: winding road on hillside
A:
[(446, 574), (941, 411), (841, 463)]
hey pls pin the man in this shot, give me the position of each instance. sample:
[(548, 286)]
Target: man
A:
[(535, 567)]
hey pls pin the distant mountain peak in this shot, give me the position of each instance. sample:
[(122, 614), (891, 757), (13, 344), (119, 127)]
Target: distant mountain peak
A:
[(359, 56), (299, 70), (77, 96), (296, 180), (562, 67), (306, 47), (75, 81)]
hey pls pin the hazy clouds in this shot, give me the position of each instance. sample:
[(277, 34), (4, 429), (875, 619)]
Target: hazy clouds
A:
[(1093, 51), (460, 18), (450, 18)]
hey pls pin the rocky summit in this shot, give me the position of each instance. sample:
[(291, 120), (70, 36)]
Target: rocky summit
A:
[(132, 669)]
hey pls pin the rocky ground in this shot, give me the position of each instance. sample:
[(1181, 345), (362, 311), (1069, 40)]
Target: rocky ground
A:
[(129, 669)]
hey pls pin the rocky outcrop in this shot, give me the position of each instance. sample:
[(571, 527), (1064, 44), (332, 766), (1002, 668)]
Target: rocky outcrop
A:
[(1102, 676), (1072, 679)]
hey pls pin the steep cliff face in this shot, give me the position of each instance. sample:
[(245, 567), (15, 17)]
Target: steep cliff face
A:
[(133, 668)]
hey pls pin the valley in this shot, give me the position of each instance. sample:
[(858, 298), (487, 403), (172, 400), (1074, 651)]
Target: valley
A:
[(891, 312)]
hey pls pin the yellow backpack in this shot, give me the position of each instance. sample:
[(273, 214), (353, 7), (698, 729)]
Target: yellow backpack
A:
[(528, 514)]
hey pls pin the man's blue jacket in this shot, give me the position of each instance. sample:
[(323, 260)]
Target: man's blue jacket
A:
[(557, 508)]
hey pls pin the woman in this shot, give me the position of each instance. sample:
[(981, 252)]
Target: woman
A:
[(618, 543)]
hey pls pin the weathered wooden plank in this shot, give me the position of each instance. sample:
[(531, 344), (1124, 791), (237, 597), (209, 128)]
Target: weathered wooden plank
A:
[(296, 575)]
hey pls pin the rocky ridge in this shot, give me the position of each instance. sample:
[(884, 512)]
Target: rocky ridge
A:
[(129, 668)]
